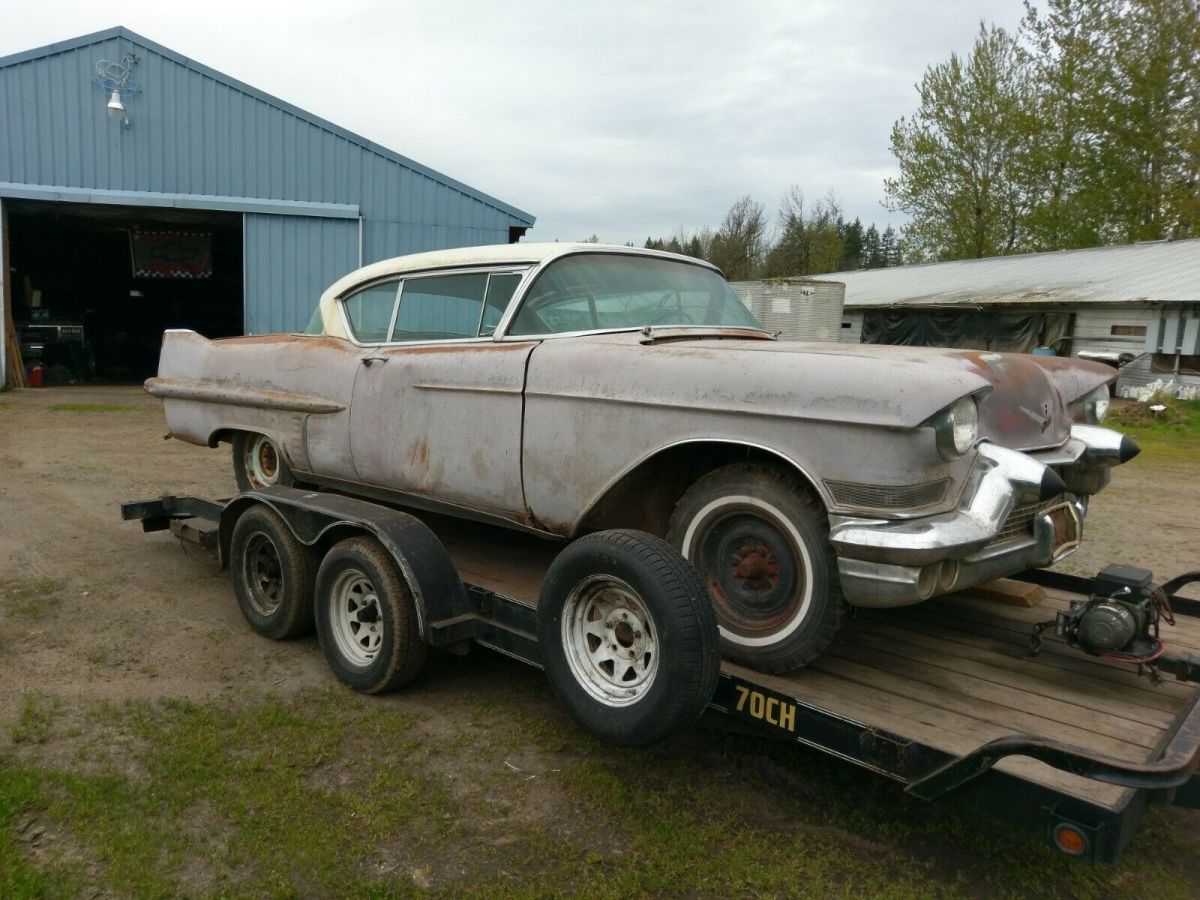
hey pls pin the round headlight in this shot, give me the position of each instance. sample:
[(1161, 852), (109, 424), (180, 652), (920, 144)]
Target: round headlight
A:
[(957, 429), (964, 423), (1095, 405)]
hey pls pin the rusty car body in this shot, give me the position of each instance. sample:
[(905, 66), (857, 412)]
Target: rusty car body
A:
[(560, 389)]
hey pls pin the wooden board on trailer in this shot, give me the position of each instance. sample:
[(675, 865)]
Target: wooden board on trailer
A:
[(951, 673)]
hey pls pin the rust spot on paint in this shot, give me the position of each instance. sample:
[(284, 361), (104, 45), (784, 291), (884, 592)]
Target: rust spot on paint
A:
[(479, 464), (418, 457)]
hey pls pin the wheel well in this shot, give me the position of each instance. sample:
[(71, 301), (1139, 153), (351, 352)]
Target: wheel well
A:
[(222, 435), (645, 496)]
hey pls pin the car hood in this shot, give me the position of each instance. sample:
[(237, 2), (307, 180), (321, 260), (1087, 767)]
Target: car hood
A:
[(1023, 399)]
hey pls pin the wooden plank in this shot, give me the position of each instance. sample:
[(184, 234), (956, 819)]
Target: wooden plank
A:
[(1185, 634), (971, 638), (1008, 592), (942, 729), (1039, 693), (1117, 738), (911, 675)]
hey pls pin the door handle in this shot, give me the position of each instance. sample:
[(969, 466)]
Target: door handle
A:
[(369, 361)]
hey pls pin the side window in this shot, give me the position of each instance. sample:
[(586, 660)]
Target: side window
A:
[(440, 307), (499, 292), (370, 312)]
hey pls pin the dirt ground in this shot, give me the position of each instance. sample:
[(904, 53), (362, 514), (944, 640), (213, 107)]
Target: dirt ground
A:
[(143, 617)]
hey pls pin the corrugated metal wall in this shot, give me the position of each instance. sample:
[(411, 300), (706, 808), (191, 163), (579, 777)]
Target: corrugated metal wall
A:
[(852, 323), (288, 261), (196, 132), (799, 309), (1093, 329)]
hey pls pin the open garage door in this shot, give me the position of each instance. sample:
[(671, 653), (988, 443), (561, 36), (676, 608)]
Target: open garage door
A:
[(93, 287)]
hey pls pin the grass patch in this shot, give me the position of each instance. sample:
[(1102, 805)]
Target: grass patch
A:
[(1171, 434), (1180, 418), (30, 598), (340, 795), (91, 407), (36, 720)]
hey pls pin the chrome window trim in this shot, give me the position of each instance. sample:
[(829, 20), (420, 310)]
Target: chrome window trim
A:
[(518, 300), (366, 286), (521, 269)]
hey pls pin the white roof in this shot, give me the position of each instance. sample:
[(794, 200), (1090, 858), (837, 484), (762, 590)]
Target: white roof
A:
[(487, 255), (1152, 272)]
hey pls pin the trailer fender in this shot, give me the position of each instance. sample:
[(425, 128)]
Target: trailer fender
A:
[(320, 520)]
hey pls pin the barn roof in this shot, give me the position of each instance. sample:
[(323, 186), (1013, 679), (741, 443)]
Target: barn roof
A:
[(1152, 272), (121, 32)]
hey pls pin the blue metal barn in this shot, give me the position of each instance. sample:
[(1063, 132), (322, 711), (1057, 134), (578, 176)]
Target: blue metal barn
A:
[(111, 133)]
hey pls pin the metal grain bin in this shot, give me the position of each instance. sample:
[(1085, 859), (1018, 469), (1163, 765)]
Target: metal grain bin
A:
[(800, 309)]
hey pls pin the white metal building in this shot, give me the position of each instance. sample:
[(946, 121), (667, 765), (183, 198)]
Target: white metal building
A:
[(1140, 300)]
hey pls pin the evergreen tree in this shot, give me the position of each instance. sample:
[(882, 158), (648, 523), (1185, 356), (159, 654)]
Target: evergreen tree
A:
[(852, 246), (872, 258)]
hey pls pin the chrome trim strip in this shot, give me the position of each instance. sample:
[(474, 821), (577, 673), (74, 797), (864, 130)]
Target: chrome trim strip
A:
[(214, 392), (519, 295), (1004, 477)]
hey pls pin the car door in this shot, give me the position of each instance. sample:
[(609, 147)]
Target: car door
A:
[(368, 314), (437, 408)]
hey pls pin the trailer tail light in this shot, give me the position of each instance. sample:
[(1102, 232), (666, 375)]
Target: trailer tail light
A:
[(1070, 839)]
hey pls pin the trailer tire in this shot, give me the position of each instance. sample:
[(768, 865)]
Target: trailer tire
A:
[(257, 462), (366, 618), (273, 574), (628, 637), (760, 540)]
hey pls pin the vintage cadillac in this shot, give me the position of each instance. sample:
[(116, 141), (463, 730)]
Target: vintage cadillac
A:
[(561, 389)]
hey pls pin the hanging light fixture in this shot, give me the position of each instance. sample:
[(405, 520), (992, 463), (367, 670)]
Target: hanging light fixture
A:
[(119, 85), (116, 109)]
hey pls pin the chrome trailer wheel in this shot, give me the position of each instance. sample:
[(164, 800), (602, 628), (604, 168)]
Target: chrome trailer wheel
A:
[(610, 640), (366, 618), (628, 637)]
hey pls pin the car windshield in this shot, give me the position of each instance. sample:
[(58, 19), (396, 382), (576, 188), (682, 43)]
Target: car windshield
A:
[(608, 291)]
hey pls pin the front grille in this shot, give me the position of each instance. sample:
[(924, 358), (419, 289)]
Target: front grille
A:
[(887, 496), (1019, 523)]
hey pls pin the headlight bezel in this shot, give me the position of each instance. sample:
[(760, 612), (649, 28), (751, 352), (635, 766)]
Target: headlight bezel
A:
[(1092, 407), (956, 428)]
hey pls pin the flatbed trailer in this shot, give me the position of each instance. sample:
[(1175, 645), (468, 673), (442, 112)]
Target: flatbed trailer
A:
[(945, 698)]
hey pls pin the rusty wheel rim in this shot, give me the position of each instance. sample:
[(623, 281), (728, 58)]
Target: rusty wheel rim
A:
[(262, 462), (756, 568)]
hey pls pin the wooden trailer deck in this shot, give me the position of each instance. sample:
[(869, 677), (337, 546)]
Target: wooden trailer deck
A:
[(951, 674)]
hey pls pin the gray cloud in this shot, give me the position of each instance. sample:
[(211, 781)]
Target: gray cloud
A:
[(621, 119)]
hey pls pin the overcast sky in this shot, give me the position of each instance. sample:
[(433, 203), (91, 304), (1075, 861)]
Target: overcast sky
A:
[(620, 119)]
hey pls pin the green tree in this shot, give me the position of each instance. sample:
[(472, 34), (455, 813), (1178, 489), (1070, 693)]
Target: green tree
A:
[(810, 240), (872, 258), (963, 154), (739, 245), (1071, 51), (1152, 161), (852, 246)]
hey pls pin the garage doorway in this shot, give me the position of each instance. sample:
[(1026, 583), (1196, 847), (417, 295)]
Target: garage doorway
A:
[(93, 287)]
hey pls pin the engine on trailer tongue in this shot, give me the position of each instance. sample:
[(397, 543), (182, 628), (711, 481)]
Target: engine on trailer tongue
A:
[(1118, 621)]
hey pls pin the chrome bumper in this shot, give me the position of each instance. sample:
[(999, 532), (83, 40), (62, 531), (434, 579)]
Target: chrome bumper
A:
[(897, 563)]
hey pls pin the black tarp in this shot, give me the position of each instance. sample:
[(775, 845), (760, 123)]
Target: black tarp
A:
[(972, 328)]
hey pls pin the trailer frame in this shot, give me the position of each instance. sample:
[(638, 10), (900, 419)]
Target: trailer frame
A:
[(454, 614)]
